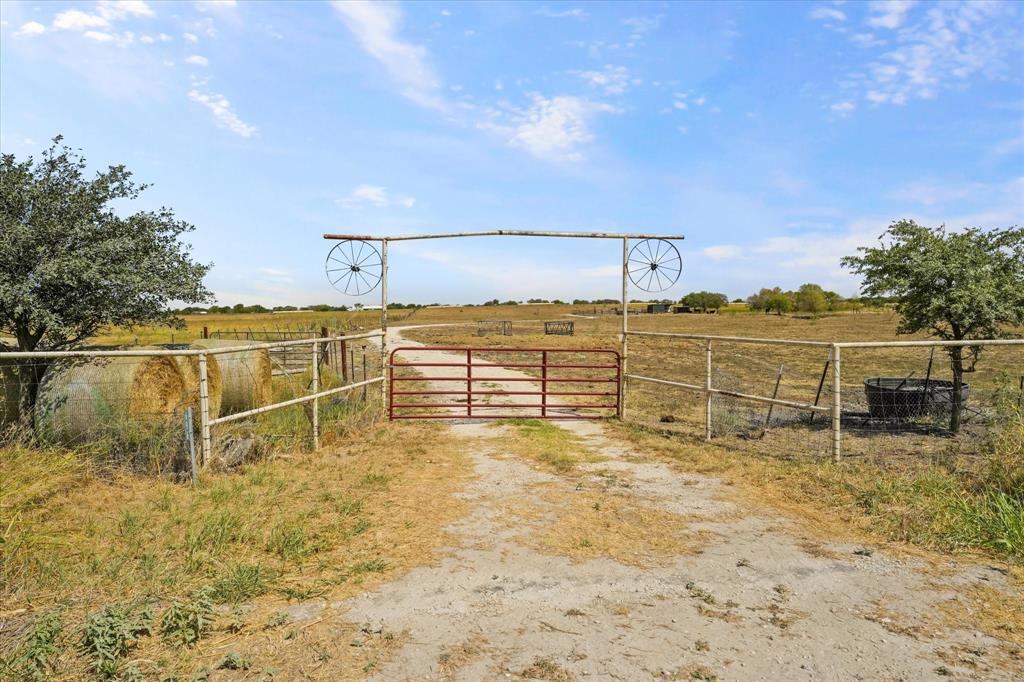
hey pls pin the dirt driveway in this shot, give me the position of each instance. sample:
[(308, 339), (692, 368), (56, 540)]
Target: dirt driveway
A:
[(628, 569)]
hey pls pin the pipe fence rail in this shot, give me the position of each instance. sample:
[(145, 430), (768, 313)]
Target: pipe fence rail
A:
[(788, 396), (152, 407)]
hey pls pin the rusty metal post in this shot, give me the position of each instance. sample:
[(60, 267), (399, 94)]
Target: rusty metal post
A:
[(469, 382), (771, 406), (625, 327), (707, 391), (204, 408), (837, 405), (206, 332), (543, 383), (316, 389)]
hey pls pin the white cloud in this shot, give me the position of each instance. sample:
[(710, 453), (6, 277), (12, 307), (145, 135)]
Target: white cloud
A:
[(614, 80), (164, 38), (721, 252), (214, 5), (147, 40), (29, 29), (640, 26), (220, 107), (553, 129), (866, 40), (114, 10), (363, 196), (843, 108), (190, 37), (574, 13), (197, 59), (375, 26), (889, 13), (941, 48), (99, 36), (828, 13), (77, 20), (680, 104)]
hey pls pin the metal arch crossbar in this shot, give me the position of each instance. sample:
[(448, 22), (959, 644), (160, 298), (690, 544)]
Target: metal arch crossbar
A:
[(505, 233)]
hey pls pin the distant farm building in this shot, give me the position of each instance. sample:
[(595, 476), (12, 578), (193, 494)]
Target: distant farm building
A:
[(657, 307)]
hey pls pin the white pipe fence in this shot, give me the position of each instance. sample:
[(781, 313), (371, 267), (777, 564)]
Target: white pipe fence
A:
[(207, 420), (835, 359)]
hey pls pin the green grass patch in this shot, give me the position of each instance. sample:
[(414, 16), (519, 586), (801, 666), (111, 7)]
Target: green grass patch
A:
[(546, 443)]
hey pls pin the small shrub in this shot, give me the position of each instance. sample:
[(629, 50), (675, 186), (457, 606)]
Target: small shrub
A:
[(185, 622), (241, 582), (38, 653), (234, 661), (108, 635)]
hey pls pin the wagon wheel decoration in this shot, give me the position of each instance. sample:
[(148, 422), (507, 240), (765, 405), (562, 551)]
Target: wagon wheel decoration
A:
[(354, 267), (654, 265)]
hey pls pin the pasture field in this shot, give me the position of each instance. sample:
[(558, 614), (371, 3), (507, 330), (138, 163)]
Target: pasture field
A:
[(281, 568)]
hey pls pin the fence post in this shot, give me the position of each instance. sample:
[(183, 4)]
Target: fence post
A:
[(190, 438), (624, 341), (316, 389), (707, 391), (204, 408), (837, 404), (384, 404)]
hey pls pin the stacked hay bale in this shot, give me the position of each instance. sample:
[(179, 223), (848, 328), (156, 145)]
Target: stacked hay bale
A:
[(245, 376), (79, 398)]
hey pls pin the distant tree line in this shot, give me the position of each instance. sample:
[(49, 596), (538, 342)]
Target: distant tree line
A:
[(239, 308)]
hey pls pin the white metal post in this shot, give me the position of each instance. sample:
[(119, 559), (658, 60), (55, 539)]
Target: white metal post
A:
[(624, 367), (837, 404), (707, 391), (384, 388), (316, 389), (204, 408)]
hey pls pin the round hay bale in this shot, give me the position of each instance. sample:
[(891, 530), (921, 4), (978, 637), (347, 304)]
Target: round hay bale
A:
[(79, 398), (188, 365), (245, 376)]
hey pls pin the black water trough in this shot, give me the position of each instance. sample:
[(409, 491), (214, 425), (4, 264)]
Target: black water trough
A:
[(897, 398)]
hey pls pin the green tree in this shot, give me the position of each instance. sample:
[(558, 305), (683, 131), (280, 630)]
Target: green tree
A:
[(811, 298), (954, 285), (705, 300), (768, 300), (71, 266)]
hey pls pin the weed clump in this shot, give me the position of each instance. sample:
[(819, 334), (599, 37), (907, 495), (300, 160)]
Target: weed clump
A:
[(37, 659), (108, 635), (241, 582), (185, 622)]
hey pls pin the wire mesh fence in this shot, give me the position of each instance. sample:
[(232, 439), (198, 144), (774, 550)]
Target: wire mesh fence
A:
[(905, 401), (216, 402), (745, 379), (788, 398)]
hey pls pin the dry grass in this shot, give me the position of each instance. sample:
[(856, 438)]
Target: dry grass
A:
[(590, 524), (545, 443), (321, 526), (994, 612)]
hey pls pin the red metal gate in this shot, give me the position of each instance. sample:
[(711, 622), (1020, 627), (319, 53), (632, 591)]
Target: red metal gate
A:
[(451, 371)]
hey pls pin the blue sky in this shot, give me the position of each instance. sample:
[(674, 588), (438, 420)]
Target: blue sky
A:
[(776, 136)]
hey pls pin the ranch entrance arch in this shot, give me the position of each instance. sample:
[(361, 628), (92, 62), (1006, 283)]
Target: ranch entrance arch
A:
[(537, 399)]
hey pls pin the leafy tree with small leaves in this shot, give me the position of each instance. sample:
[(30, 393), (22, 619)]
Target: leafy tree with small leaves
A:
[(70, 265), (811, 298), (954, 285)]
